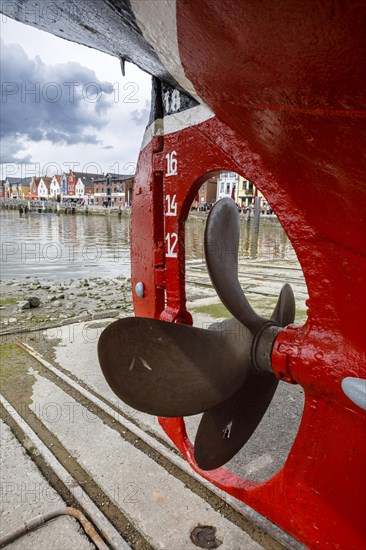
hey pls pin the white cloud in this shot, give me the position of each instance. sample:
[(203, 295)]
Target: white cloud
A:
[(124, 115)]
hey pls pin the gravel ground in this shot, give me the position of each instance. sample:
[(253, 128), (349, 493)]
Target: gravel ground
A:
[(32, 304)]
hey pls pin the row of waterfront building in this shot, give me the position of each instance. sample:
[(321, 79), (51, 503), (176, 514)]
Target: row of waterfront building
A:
[(228, 184), (117, 188), (96, 188)]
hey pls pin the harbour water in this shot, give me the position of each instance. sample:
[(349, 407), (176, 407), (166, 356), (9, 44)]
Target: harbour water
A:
[(54, 247)]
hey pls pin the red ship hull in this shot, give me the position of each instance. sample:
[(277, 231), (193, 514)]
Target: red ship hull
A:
[(285, 83)]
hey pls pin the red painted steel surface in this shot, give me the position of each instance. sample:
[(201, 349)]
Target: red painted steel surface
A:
[(286, 80), (290, 117)]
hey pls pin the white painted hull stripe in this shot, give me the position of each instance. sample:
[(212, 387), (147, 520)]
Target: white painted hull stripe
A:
[(176, 122), (162, 36)]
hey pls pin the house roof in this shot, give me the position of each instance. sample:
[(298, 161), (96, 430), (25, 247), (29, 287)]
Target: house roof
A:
[(88, 179), (115, 177), (25, 182), (47, 181)]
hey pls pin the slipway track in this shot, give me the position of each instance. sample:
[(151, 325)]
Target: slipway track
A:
[(99, 459)]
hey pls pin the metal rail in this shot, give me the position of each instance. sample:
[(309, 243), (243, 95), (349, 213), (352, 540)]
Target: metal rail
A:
[(37, 521), (103, 404), (104, 526)]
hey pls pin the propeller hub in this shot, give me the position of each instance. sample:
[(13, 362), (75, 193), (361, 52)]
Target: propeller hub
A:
[(262, 347)]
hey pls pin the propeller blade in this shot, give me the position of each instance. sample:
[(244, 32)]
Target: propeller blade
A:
[(169, 369), (284, 312), (224, 430), (221, 251)]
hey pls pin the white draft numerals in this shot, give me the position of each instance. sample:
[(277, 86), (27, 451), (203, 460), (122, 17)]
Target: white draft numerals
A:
[(172, 164), (172, 207), (172, 241), (172, 101)]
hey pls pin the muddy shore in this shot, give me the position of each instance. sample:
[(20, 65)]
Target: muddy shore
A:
[(32, 304)]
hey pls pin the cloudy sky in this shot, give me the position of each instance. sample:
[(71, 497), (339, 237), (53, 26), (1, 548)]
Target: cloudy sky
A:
[(65, 104)]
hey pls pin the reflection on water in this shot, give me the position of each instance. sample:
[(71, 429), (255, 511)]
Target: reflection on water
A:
[(269, 243), (59, 247)]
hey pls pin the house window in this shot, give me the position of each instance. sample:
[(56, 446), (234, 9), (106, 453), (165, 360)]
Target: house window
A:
[(228, 188)]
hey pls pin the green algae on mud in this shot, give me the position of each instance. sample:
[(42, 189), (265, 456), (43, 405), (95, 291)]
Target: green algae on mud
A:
[(264, 306), (16, 382), (8, 301), (216, 311)]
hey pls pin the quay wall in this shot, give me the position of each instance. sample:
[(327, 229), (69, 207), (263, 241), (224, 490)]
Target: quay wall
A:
[(30, 205)]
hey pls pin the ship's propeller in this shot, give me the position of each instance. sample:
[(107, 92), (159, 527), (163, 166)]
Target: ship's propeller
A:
[(224, 429), (173, 370), (168, 369)]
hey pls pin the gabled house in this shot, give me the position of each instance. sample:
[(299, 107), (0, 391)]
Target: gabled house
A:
[(227, 186), (71, 184), (114, 189), (247, 192), (78, 184), (2, 189), (15, 188), (238, 188), (79, 188), (86, 183), (63, 184), (11, 188), (55, 186), (5, 188), (24, 187), (40, 187), (206, 194)]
